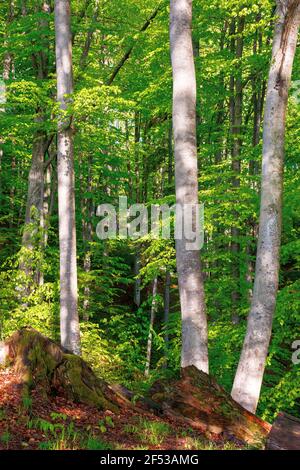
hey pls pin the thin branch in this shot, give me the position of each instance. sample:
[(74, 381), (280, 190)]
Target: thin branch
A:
[(127, 54)]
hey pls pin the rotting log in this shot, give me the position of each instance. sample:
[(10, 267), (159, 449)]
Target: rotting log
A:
[(285, 433), (198, 400)]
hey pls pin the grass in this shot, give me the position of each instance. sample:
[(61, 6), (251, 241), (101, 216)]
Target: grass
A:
[(150, 432), (96, 444)]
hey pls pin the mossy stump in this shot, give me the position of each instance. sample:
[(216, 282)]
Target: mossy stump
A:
[(39, 361)]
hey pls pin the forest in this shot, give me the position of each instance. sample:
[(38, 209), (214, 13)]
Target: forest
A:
[(149, 225)]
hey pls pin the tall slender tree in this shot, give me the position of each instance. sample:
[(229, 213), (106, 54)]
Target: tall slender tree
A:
[(69, 322), (152, 319), (34, 223), (236, 129), (194, 323), (249, 375)]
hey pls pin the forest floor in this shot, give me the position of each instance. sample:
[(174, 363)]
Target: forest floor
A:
[(54, 423)]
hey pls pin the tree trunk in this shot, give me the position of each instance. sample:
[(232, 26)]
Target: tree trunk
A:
[(237, 114), (191, 290), (167, 307), (87, 210), (69, 322), (34, 206), (152, 319), (249, 375), (32, 234), (137, 281)]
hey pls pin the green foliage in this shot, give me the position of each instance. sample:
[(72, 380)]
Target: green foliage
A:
[(5, 438), (123, 146), (96, 444)]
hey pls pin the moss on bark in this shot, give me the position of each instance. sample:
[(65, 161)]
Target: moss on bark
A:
[(39, 361)]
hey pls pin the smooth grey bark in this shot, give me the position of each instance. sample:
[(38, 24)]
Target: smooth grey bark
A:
[(69, 322), (152, 319), (190, 280), (249, 375)]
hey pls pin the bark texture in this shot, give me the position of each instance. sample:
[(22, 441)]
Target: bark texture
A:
[(199, 401), (236, 114), (152, 319), (194, 323), (69, 323), (285, 433), (34, 214), (249, 375), (35, 195), (40, 362)]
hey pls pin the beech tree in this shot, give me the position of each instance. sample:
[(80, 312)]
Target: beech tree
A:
[(69, 322), (250, 371), (190, 280)]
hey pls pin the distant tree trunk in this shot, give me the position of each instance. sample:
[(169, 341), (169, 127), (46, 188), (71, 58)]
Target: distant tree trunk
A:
[(87, 235), (168, 274), (237, 114), (8, 69), (167, 306), (257, 98), (170, 157), (249, 375), (258, 94), (137, 282), (191, 289), (45, 217), (69, 322), (32, 235), (137, 136), (221, 105), (35, 196), (152, 319), (130, 188)]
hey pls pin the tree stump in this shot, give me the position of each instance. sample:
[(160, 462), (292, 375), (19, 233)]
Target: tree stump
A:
[(198, 400), (285, 433), (39, 361)]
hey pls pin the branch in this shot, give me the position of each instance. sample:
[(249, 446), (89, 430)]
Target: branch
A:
[(49, 161), (129, 50)]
